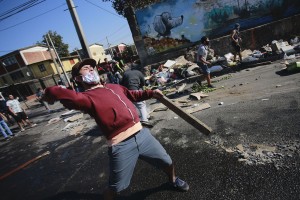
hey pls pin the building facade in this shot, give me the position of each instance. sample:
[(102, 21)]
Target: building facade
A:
[(23, 71)]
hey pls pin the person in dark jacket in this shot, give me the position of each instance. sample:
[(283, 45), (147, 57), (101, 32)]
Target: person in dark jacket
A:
[(133, 79), (111, 107)]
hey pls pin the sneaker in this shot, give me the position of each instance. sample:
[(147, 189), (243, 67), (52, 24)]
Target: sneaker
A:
[(12, 135), (147, 124), (211, 86), (181, 185), (33, 125), (6, 139)]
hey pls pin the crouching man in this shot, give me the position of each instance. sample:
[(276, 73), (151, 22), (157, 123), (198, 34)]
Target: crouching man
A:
[(112, 108)]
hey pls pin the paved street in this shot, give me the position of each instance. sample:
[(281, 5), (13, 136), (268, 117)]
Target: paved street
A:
[(252, 154)]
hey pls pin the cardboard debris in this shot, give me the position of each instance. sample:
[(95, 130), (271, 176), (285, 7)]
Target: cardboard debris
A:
[(160, 109), (246, 53), (169, 63), (54, 120), (181, 61), (288, 49), (198, 108), (74, 118), (183, 101), (170, 90), (77, 130), (198, 95), (69, 126)]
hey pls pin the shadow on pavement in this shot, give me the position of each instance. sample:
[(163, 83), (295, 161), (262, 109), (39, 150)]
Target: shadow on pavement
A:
[(145, 193), (71, 195), (285, 72), (94, 132)]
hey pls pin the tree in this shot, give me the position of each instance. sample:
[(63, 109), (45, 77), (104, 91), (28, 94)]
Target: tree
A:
[(60, 46), (128, 54), (120, 5)]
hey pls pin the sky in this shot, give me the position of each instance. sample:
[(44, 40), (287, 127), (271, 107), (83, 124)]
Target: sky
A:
[(98, 20)]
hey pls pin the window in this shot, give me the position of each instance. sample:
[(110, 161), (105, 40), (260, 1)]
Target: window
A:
[(9, 61), (16, 75), (42, 67)]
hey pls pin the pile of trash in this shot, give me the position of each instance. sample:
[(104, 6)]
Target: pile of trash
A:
[(181, 68), (186, 66)]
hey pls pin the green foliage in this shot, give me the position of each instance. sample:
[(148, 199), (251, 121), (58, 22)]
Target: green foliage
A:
[(60, 46), (120, 5), (199, 88)]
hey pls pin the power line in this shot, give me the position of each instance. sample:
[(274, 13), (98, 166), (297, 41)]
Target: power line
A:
[(113, 33), (32, 18), (23, 9), (104, 9), (17, 7)]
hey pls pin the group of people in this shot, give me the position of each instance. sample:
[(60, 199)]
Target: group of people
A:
[(112, 107), (115, 109), (12, 108)]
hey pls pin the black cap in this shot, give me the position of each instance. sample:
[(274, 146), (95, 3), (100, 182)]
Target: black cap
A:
[(77, 66)]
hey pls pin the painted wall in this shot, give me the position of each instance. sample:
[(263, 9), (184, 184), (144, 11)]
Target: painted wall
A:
[(179, 23)]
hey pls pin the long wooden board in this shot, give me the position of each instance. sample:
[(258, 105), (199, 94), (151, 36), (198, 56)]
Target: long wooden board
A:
[(186, 116)]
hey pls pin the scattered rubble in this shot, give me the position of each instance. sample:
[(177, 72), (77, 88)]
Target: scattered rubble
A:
[(260, 154)]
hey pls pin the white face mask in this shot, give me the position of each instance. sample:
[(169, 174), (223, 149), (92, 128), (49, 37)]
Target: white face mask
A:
[(91, 78)]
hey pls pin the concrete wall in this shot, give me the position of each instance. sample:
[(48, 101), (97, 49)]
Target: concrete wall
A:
[(259, 36), (252, 39)]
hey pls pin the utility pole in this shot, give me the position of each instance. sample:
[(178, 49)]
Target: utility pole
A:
[(110, 50), (52, 57), (62, 67), (85, 48)]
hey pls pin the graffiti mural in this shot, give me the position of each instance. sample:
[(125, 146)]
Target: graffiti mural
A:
[(173, 24)]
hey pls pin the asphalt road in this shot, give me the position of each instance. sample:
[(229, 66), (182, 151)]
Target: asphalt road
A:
[(252, 154)]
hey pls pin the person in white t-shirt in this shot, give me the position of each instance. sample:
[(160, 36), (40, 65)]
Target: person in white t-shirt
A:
[(18, 113), (201, 59)]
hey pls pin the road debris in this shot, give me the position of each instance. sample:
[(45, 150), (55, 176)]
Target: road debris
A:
[(198, 108), (76, 130), (198, 95), (54, 120), (74, 118)]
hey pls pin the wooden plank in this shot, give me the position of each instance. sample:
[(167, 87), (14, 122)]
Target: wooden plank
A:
[(198, 108), (186, 116)]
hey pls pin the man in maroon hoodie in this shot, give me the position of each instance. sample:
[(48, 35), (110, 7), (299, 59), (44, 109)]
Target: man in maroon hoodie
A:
[(112, 108)]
